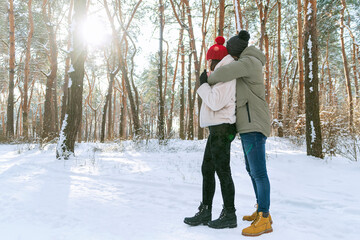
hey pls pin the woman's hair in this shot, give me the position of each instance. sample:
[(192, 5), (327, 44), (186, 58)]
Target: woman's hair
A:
[(213, 64)]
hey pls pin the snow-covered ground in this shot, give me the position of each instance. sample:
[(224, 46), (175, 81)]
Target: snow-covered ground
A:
[(128, 191)]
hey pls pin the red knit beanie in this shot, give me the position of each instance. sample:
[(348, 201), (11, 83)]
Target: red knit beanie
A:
[(217, 51)]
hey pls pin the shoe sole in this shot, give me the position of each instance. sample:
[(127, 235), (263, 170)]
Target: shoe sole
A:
[(258, 234), (196, 224), (222, 227)]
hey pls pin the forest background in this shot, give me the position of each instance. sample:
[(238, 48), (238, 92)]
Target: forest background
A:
[(110, 70)]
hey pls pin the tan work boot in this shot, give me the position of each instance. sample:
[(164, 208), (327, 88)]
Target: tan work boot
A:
[(259, 226), (253, 216)]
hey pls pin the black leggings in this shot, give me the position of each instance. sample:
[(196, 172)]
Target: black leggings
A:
[(217, 159)]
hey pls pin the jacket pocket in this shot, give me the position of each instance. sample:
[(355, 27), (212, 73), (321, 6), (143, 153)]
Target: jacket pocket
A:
[(248, 111)]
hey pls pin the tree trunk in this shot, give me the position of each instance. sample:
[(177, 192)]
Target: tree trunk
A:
[(70, 125), (134, 112), (166, 82), (331, 90), (313, 127), (161, 132), (353, 55), (238, 16), (300, 42), (86, 125), (113, 128), (267, 70), (190, 131), (67, 67), (18, 121), (25, 106), (346, 67), (262, 16), (10, 102), (182, 119), (170, 120), (110, 114), (280, 87), (290, 98), (196, 63), (123, 63), (107, 103), (355, 72), (49, 131), (264, 12), (221, 17), (123, 111)]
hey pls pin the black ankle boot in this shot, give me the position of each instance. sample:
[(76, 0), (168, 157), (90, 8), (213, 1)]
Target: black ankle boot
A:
[(201, 217), (227, 219)]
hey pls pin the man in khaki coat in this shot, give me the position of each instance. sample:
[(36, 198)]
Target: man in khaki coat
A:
[(252, 122)]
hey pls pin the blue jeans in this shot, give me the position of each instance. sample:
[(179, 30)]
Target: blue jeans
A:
[(253, 144)]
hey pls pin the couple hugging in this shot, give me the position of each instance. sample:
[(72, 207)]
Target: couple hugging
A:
[(233, 101)]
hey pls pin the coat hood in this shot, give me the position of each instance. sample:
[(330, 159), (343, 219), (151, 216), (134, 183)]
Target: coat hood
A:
[(254, 52)]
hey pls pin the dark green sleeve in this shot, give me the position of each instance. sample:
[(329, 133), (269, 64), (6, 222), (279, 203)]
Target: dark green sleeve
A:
[(230, 71)]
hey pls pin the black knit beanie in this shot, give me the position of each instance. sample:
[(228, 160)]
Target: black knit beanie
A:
[(237, 44)]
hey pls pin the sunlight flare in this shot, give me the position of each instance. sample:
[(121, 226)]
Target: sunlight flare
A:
[(95, 32)]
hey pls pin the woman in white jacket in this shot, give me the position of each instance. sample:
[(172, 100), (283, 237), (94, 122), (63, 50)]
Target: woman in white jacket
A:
[(218, 113)]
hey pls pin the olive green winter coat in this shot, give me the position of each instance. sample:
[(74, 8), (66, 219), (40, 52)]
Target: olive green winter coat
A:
[(252, 111)]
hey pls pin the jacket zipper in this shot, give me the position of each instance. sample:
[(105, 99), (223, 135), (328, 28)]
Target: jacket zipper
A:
[(248, 111)]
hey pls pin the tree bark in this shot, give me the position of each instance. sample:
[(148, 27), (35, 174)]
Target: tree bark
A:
[(25, 106), (107, 102), (287, 118), (300, 47), (280, 87), (331, 86), (161, 123), (238, 16), (49, 131), (170, 120), (313, 127), (123, 111), (67, 67), (196, 63), (190, 130), (10, 102), (346, 67), (221, 17), (355, 72), (353, 54), (123, 63), (182, 119), (264, 12), (71, 123)]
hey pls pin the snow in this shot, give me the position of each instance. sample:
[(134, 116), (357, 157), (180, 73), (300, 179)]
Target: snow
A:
[(309, 43), (62, 137), (138, 191), (71, 69), (313, 134), (309, 11)]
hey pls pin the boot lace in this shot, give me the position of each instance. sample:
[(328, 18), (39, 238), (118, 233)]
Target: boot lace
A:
[(257, 219), (198, 213), (201, 209), (222, 214)]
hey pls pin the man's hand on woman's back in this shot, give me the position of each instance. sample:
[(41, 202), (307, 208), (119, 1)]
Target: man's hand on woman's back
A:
[(203, 77)]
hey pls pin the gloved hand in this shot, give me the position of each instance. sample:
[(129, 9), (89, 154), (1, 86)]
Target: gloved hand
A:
[(203, 77)]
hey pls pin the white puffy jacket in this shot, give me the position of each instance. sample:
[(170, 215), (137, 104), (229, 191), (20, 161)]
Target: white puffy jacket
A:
[(218, 101)]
